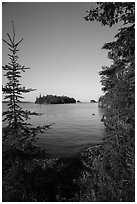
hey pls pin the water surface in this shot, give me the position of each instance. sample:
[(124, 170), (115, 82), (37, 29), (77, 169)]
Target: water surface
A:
[(76, 125)]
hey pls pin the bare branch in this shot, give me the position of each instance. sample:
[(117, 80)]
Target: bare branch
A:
[(19, 42), (10, 38), (7, 43)]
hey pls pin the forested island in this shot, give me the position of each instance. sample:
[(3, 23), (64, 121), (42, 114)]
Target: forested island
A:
[(53, 99), (93, 101)]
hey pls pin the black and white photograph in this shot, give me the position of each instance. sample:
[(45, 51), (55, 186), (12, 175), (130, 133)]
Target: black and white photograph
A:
[(68, 101)]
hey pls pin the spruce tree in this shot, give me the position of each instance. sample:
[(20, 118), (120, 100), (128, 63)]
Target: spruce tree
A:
[(20, 151)]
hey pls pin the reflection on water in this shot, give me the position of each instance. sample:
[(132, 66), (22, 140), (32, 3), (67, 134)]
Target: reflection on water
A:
[(76, 125)]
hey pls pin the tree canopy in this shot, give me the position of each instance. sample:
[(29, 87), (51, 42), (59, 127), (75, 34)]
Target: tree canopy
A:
[(112, 163), (53, 99)]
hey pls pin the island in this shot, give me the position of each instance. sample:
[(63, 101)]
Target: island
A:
[(78, 101), (53, 99), (93, 101)]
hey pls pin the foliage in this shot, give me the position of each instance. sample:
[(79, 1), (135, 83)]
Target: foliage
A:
[(29, 174), (20, 151), (102, 102), (110, 13), (50, 99), (109, 167)]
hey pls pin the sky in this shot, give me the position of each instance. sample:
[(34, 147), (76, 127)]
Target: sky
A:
[(63, 51)]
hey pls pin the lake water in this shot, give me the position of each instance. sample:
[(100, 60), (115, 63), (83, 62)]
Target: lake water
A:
[(74, 128)]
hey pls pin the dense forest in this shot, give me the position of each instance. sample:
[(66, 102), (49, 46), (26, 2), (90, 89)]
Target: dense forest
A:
[(104, 172), (110, 167), (53, 99)]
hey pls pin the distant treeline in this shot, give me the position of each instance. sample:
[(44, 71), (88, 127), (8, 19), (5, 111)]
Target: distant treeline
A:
[(53, 99)]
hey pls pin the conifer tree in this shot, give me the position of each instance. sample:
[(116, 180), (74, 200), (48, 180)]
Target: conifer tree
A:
[(20, 151)]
